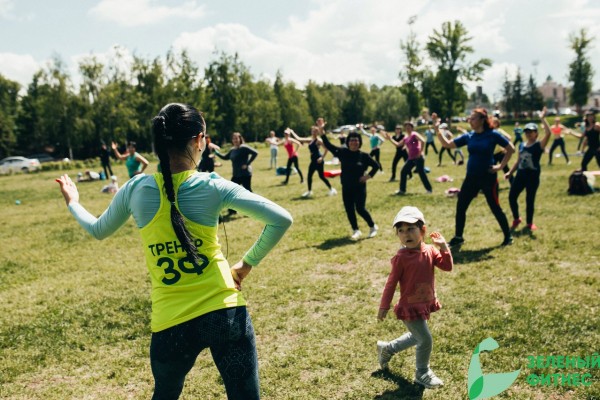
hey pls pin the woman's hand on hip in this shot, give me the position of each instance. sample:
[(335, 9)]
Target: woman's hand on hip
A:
[(239, 272)]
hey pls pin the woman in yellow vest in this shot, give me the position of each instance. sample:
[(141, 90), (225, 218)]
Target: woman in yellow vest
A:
[(196, 298)]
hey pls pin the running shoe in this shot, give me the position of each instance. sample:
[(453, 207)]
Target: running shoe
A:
[(516, 223), (307, 194), (332, 192), (383, 355), (507, 241), (532, 227), (356, 235), (373, 231), (429, 380), (456, 241)]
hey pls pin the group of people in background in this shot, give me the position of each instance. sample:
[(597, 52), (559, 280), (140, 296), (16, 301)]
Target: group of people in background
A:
[(485, 136)]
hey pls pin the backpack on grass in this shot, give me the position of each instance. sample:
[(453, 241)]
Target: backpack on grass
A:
[(580, 184)]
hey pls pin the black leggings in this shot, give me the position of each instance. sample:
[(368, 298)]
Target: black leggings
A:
[(316, 166), (400, 154), (288, 170), (355, 199), (107, 169), (588, 156), (432, 144), (375, 154), (419, 163), (528, 181), (488, 184), (245, 182), (558, 142), (229, 335), (441, 153)]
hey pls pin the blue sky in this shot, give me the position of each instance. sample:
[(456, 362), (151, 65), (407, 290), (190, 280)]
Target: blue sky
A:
[(337, 41)]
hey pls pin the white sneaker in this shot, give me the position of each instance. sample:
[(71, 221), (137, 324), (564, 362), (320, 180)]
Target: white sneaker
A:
[(429, 380), (356, 235), (307, 194), (383, 355), (373, 231), (332, 192)]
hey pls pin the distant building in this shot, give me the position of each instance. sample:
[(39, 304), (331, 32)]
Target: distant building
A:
[(555, 95), (594, 99)]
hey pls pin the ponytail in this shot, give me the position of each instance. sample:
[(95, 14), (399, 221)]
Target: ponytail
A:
[(187, 125)]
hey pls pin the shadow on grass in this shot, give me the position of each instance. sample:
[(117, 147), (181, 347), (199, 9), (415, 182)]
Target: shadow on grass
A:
[(406, 389), (335, 242), (469, 256), (525, 232)]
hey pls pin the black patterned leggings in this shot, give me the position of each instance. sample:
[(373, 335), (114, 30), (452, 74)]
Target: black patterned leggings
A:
[(229, 335)]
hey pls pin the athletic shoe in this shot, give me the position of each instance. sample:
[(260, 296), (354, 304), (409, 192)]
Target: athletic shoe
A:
[(399, 192), (516, 223), (456, 241), (429, 380), (532, 227), (392, 179), (383, 355), (507, 241), (307, 194), (373, 231), (356, 235), (332, 192)]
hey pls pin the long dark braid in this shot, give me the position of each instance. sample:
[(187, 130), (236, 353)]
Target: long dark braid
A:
[(173, 128)]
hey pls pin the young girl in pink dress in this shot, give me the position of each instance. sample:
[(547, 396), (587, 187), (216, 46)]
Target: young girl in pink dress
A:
[(413, 268)]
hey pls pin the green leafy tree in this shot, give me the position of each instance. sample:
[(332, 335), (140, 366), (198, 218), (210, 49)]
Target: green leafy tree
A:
[(293, 105), (507, 92), (9, 91), (333, 99), (432, 92), (224, 78), (580, 70), (412, 74), (262, 110), (29, 117), (532, 99), (355, 108), (517, 95), (449, 49), (391, 107)]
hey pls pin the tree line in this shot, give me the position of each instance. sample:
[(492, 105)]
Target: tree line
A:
[(115, 100)]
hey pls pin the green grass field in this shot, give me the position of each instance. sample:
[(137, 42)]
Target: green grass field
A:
[(74, 312)]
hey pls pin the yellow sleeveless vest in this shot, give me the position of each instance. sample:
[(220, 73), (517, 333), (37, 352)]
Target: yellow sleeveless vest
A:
[(182, 290)]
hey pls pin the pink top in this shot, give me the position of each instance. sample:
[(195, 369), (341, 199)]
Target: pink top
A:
[(556, 130), (413, 145), (289, 147), (413, 269)]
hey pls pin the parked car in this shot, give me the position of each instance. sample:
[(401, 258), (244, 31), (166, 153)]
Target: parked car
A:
[(18, 164), (339, 129), (42, 157)]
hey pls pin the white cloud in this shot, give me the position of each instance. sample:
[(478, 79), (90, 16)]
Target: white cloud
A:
[(6, 7), (266, 57), (144, 12), (18, 67)]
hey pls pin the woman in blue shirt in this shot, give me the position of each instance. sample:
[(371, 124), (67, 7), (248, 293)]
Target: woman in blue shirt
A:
[(481, 170)]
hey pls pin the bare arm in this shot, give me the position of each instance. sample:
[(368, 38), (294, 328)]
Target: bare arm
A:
[(547, 130), (141, 159), (445, 142), (118, 155), (298, 138)]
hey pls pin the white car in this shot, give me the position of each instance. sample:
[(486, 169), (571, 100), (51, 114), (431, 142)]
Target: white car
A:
[(18, 164)]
